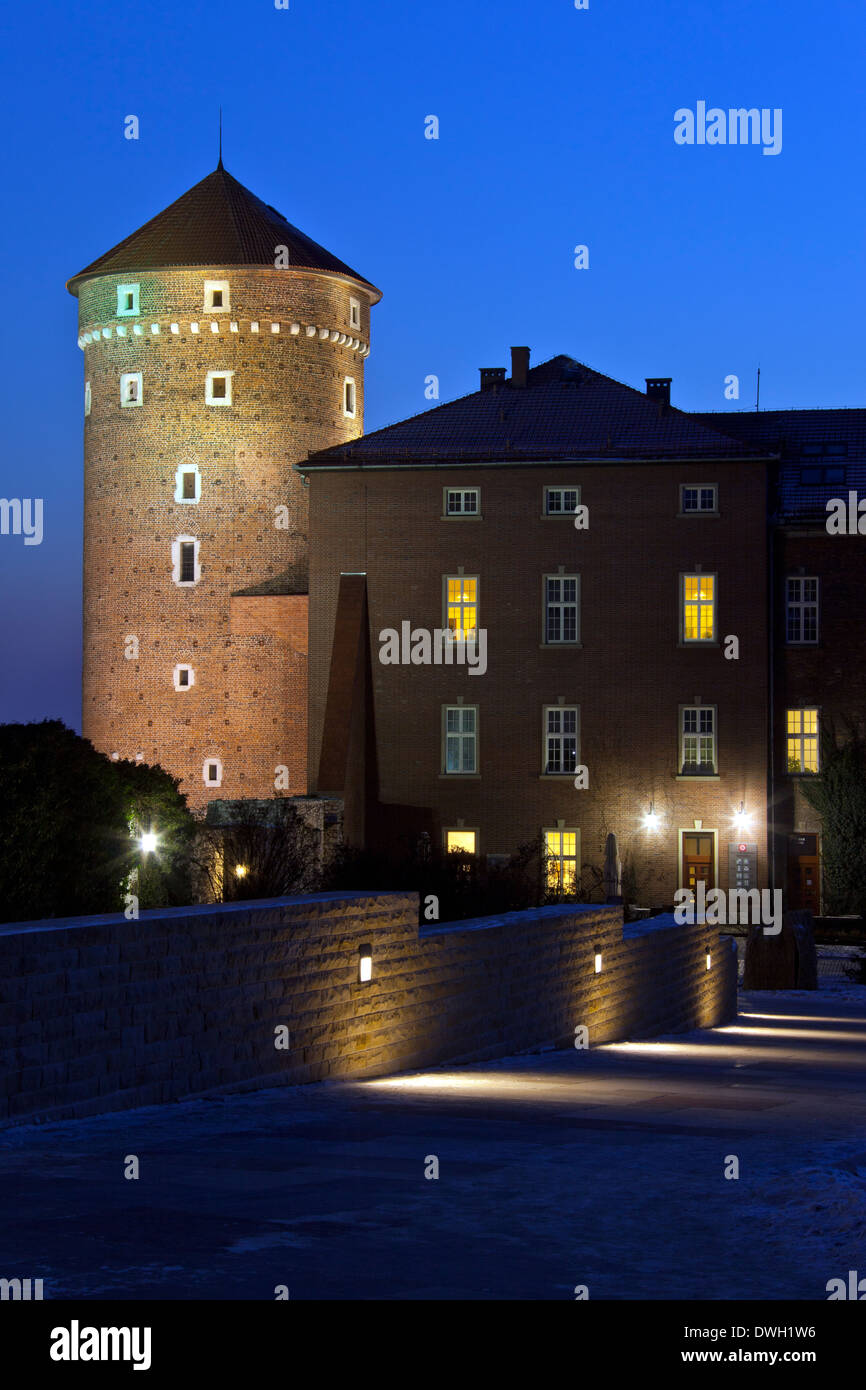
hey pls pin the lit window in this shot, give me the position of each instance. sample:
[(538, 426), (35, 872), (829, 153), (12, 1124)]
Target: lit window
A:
[(460, 840), (561, 850), (461, 595), (802, 740), (127, 301), (187, 483), (460, 738), (184, 558), (212, 772), (218, 388), (801, 609), (462, 501), (87, 397), (216, 295), (354, 313), (698, 741), (696, 498), (560, 739), (184, 677), (561, 501), (561, 594), (349, 398), (130, 388), (699, 607)]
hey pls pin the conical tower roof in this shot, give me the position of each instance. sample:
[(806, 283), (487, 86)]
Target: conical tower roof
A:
[(217, 222)]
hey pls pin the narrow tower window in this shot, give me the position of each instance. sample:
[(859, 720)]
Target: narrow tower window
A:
[(87, 397), (127, 301), (130, 388), (187, 483), (212, 772), (184, 677), (354, 313), (184, 559), (216, 295), (349, 398), (218, 388)]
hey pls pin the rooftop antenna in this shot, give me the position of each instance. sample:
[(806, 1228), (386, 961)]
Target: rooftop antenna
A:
[(220, 165), (758, 392)]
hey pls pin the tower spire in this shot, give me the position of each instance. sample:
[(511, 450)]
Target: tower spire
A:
[(220, 164)]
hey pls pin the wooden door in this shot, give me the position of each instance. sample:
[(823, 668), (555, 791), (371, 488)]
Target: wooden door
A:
[(698, 861)]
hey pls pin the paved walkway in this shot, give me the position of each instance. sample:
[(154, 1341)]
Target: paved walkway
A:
[(603, 1168)]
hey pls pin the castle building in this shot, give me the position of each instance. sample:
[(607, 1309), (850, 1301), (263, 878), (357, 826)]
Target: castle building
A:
[(221, 345), (611, 551)]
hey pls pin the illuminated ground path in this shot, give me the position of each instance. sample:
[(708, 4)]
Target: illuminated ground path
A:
[(603, 1168)]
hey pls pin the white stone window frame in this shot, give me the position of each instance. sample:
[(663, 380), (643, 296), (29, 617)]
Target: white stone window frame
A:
[(176, 561), (449, 513), (700, 509), (126, 380), (178, 683), (210, 398), (799, 610), (182, 469), (560, 736), (206, 767), (561, 607), (560, 513), (123, 293), (354, 312), (88, 398), (697, 735), (350, 390), (463, 739), (221, 286)]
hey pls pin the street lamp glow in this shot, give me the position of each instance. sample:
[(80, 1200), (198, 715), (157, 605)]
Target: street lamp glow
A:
[(240, 870), (148, 842)]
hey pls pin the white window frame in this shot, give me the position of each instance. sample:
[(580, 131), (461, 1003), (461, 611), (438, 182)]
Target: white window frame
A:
[(178, 484), (800, 738), (560, 513), (800, 607), (176, 553), (88, 397), (465, 738), (697, 734), (459, 830), (126, 379), (349, 381), (460, 493), (700, 509), (123, 291), (210, 398), (221, 286), (548, 605), (702, 603), (178, 683), (354, 312), (205, 772), (547, 734), (563, 859)]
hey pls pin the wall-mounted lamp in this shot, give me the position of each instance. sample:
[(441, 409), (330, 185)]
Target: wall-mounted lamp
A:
[(241, 870), (365, 964), (651, 819), (597, 962), (148, 842), (742, 818), (709, 959)]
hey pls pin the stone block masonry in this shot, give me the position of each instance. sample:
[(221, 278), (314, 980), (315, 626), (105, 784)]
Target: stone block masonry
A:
[(100, 1013)]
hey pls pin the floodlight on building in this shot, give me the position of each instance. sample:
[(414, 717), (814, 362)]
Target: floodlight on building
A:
[(651, 819), (240, 870), (365, 964), (148, 842), (742, 818)]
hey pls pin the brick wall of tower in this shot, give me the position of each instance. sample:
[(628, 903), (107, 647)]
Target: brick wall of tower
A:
[(247, 706)]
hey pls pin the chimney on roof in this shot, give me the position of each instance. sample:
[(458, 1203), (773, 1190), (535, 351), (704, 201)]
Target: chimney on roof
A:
[(491, 377), (519, 365), (658, 388)]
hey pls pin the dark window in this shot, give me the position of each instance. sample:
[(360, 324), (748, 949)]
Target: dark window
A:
[(834, 473), (218, 388), (183, 676), (811, 477), (212, 772), (130, 301), (189, 486), (187, 562), (217, 299)]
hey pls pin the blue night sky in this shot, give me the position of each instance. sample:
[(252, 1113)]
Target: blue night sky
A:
[(556, 129)]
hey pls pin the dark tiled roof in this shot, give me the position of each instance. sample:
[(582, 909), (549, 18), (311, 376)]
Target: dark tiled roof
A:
[(566, 410), (832, 441), (218, 222)]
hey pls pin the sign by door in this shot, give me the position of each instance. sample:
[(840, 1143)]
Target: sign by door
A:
[(742, 866)]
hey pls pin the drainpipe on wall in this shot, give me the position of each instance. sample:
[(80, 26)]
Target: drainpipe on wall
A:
[(771, 628)]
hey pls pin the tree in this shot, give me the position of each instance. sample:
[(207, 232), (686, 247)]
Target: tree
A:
[(260, 849), (153, 803), (838, 794)]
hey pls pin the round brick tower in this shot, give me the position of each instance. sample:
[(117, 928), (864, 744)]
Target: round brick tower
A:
[(221, 346)]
